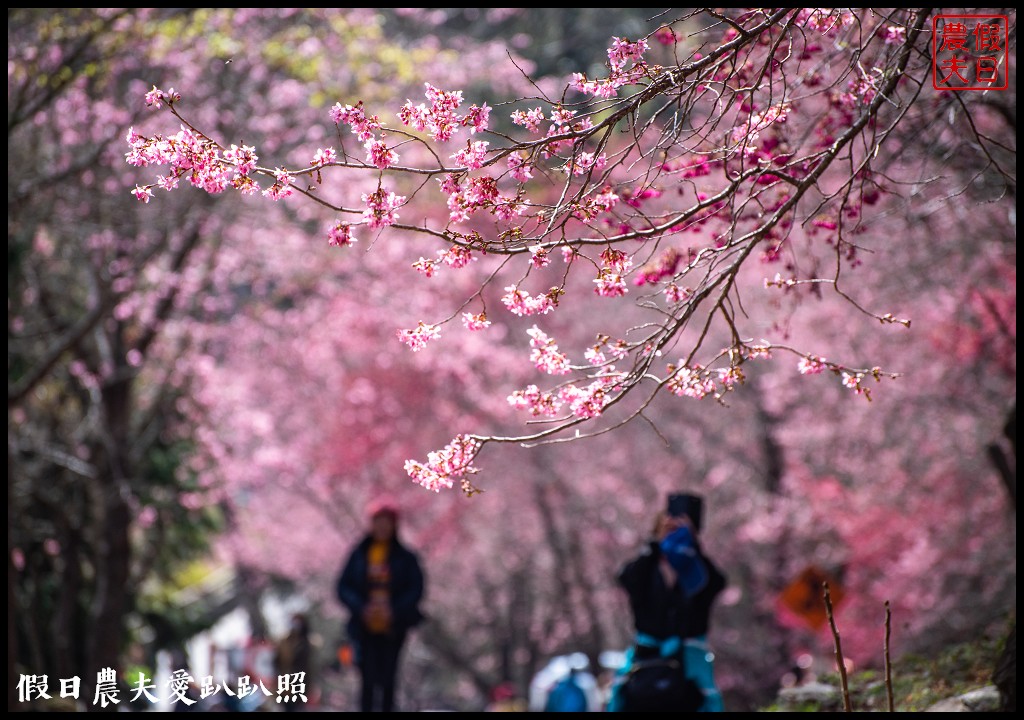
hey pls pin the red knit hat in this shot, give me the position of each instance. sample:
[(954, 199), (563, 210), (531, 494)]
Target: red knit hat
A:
[(381, 506)]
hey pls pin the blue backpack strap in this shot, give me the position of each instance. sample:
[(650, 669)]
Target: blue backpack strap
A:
[(666, 648), (700, 669)]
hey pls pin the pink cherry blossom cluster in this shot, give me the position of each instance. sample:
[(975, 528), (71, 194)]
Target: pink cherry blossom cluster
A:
[(323, 156), (480, 192), (605, 200), (622, 51), (695, 382), (619, 55), (594, 206), (540, 256), (895, 35), (852, 381), (811, 365), (746, 134), (380, 208), (519, 167), (361, 124), (675, 294), (521, 303), (441, 120), (595, 355), (860, 90), (477, 118), (378, 154), (729, 377), (827, 21), (425, 266), (244, 158), (609, 284), (455, 256), (444, 466), (604, 351), (536, 402), (545, 354), (598, 88), (529, 119), (156, 97), (340, 235), (418, 337), (282, 186), (473, 155), (615, 260), (192, 155), (585, 402), (364, 127), (564, 121), (758, 351), (590, 401), (666, 36), (582, 163), (477, 321)]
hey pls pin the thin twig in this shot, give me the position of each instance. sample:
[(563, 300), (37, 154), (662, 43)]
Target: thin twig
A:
[(888, 666), (839, 649)]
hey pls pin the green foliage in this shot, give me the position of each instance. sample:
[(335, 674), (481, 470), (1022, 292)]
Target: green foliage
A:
[(179, 607), (918, 681), (180, 535)]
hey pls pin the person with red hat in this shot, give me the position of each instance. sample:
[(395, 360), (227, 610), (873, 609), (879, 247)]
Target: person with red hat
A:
[(381, 584)]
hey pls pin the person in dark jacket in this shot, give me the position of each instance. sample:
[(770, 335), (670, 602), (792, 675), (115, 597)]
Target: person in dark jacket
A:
[(381, 585), (672, 586)]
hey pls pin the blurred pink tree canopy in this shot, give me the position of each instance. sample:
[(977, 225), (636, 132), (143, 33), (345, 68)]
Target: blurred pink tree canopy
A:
[(685, 263)]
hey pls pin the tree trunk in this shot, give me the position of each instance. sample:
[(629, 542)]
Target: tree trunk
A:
[(12, 579), (113, 549)]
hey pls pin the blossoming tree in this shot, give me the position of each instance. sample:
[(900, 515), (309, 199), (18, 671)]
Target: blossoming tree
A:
[(625, 236), (719, 142), (653, 230)]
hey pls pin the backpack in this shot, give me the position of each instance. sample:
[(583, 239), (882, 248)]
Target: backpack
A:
[(566, 696), (659, 685)]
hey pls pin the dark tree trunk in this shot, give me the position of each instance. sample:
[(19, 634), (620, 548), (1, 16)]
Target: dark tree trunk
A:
[(12, 579), (110, 604), (1005, 675)]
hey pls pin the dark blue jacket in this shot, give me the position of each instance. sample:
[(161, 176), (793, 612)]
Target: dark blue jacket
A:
[(405, 591)]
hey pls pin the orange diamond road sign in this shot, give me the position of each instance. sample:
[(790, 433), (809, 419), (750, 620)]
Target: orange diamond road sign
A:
[(805, 596)]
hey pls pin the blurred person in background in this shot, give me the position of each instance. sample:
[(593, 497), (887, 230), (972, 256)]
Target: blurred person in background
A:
[(672, 586), (381, 584), (294, 655)]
